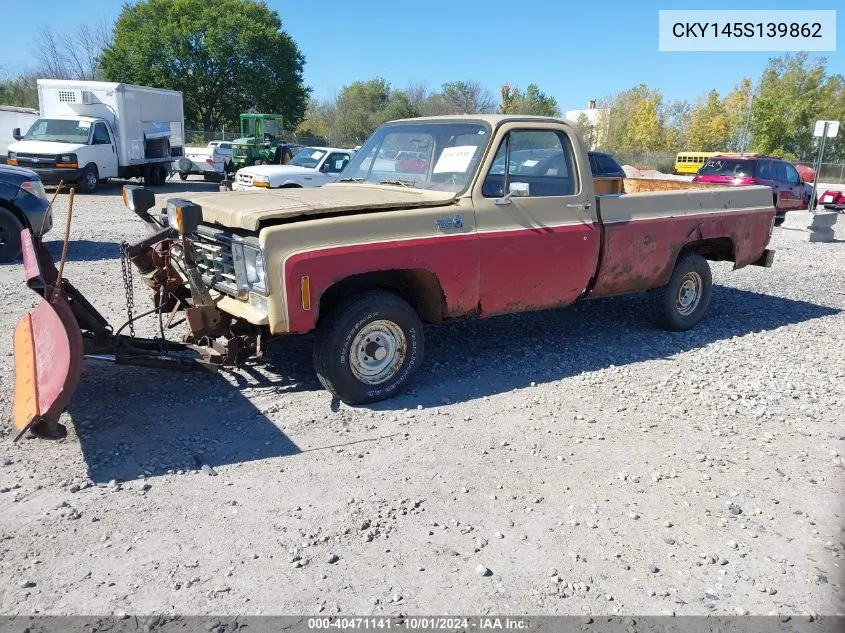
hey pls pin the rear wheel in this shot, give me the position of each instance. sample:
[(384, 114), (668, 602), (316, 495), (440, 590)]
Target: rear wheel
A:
[(683, 302), (369, 347), (10, 236)]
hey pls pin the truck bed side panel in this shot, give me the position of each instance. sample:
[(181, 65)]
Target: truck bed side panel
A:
[(644, 232)]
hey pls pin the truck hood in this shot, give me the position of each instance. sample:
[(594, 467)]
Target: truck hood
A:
[(278, 171), (248, 209), (44, 147)]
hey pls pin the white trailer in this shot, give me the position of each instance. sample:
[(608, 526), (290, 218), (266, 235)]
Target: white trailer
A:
[(12, 117), (90, 131)]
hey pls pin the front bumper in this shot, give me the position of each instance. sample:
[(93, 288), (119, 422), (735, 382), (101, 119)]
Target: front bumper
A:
[(53, 175), (236, 186)]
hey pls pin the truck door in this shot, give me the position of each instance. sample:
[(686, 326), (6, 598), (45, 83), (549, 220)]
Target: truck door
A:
[(104, 150), (539, 237)]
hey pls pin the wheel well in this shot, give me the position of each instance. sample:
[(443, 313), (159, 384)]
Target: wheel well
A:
[(291, 185), (11, 208), (717, 249), (418, 287)]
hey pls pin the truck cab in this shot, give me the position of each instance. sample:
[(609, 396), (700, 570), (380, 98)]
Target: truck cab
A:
[(67, 149)]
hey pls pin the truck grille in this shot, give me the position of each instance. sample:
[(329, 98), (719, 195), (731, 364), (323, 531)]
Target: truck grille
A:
[(36, 161), (214, 259), (244, 179)]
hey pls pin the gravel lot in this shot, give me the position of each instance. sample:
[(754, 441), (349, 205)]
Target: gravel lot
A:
[(568, 462)]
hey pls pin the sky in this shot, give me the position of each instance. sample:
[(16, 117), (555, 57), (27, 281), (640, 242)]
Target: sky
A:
[(574, 51)]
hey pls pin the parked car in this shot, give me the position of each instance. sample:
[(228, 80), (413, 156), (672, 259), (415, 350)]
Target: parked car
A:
[(789, 192), (23, 204), (412, 162), (833, 200), (310, 167)]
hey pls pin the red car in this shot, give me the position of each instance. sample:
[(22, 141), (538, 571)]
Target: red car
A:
[(833, 200), (412, 162), (789, 193)]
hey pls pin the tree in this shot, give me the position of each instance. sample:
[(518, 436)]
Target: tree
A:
[(532, 101), (20, 91), (709, 129), (225, 57), (635, 120), (72, 53), (467, 97), (787, 104), (364, 105), (586, 129)]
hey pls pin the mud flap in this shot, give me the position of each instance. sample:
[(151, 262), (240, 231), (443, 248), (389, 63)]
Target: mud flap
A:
[(48, 353)]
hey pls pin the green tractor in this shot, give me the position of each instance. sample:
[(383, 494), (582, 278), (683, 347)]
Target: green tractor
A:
[(260, 141)]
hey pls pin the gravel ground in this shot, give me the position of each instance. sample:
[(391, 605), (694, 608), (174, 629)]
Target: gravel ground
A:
[(568, 462)]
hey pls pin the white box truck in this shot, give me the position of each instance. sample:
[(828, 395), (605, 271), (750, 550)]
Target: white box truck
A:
[(90, 131), (12, 117)]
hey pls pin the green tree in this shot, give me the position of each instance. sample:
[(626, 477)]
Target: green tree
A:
[(708, 129), (364, 105), (466, 97), (635, 120), (532, 101), (586, 129), (225, 56), (21, 91), (786, 105)]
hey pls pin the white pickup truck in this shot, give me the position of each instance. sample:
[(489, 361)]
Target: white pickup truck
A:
[(212, 162), (311, 167)]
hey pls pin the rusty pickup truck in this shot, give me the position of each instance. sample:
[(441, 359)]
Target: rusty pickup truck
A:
[(502, 218)]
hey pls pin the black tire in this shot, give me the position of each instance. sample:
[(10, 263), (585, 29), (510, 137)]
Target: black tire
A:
[(183, 176), (10, 236), (385, 315), (159, 175), (674, 308), (89, 180)]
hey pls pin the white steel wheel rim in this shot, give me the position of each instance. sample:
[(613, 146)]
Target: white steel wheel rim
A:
[(689, 293), (377, 352)]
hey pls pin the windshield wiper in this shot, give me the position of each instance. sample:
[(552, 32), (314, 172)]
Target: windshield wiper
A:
[(351, 180), (404, 183)]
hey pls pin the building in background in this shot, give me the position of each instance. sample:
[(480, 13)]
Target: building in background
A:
[(588, 122)]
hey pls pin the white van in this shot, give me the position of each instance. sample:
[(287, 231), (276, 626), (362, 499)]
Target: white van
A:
[(90, 131)]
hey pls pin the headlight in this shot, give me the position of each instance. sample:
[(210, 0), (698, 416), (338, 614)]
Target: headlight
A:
[(68, 161), (249, 267), (35, 187), (12, 158), (261, 181)]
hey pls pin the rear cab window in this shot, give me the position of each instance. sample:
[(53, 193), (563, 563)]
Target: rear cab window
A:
[(729, 167)]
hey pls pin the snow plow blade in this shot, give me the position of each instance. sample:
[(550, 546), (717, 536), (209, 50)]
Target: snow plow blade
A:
[(47, 347), (52, 341)]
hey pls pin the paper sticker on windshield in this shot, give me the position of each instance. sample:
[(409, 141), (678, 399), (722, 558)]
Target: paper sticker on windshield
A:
[(317, 154), (84, 125), (530, 163), (455, 159)]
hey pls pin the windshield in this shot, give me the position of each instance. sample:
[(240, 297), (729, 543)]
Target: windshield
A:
[(426, 155), (307, 157), (59, 131), (728, 167)]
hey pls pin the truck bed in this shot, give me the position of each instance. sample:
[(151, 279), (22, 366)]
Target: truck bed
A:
[(644, 231)]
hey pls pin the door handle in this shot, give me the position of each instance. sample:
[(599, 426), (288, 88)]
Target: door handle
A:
[(578, 205)]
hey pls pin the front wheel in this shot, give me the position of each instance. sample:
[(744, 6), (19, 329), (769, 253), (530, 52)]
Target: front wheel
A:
[(369, 347), (683, 302), (89, 181), (10, 236)]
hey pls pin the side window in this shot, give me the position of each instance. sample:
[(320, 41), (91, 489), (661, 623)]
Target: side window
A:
[(101, 135), (791, 174), (780, 171), (335, 163), (764, 170), (542, 159)]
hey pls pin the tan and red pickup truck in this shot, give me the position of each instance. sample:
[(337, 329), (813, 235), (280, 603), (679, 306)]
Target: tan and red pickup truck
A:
[(501, 218)]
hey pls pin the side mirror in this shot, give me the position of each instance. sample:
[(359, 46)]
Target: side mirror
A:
[(16, 134), (515, 189), (518, 189), (325, 166)]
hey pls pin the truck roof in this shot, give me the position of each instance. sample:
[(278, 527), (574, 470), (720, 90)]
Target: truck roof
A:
[(99, 85), (492, 119)]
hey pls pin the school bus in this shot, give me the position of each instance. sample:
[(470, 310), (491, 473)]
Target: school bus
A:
[(691, 162)]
